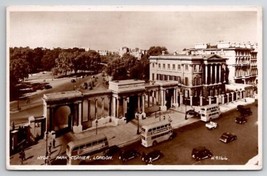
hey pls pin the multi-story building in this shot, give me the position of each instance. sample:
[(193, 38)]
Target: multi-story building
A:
[(242, 59), (196, 75)]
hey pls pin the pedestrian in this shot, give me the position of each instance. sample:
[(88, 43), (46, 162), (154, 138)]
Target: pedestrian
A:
[(54, 142), (49, 147), (22, 156)]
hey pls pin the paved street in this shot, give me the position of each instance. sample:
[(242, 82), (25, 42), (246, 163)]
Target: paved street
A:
[(178, 151)]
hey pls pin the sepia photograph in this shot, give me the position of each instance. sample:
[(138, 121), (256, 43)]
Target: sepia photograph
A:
[(134, 88)]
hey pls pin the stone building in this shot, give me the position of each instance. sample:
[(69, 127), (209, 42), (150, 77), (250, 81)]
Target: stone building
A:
[(196, 75)]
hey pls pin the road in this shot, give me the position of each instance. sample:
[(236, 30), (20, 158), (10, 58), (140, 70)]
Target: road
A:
[(178, 151), (35, 106)]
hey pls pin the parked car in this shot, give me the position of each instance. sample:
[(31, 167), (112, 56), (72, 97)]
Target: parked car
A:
[(241, 120), (228, 137), (243, 110), (192, 112), (128, 155), (211, 125), (200, 153), (47, 86), (112, 150), (152, 156)]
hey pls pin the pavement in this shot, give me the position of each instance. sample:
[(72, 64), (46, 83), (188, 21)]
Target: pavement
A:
[(120, 135)]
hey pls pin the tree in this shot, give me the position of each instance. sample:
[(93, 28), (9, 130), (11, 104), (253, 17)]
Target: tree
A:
[(64, 62), (88, 60), (49, 57), (156, 50)]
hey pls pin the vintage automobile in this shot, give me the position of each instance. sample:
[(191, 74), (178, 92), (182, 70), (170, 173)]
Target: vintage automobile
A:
[(152, 156), (200, 153), (128, 155), (228, 137), (211, 125), (244, 111)]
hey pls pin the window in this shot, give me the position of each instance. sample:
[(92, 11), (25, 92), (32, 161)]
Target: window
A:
[(169, 66), (173, 66), (179, 79), (163, 66), (153, 65), (179, 67), (159, 65), (186, 81), (186, 67)]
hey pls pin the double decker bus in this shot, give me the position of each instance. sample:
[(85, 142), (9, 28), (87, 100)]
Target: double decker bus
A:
[(88, 146), (156, 132), (209, 112)]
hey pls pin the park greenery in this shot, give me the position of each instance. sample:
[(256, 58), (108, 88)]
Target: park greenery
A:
[(64, 62)]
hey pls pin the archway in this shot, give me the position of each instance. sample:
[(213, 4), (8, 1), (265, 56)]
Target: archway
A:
[(131, 108), (62, 121)]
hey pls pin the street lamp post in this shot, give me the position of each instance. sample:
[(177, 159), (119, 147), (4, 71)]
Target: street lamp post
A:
[(46, 152), (96, 123), (138, 116)]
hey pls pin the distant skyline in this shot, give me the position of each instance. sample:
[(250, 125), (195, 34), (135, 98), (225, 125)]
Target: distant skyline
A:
[(111, 30)]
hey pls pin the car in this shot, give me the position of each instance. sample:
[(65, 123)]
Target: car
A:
[(192, 112), (211, 125), (228, 137), (128, 155), (152, 156), (112, 150), (243, 110), (73, 80), (241, 120), (201, 153), (47, 86)]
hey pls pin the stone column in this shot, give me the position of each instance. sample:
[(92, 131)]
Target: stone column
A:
[(175, 97), (191, 100), (143, 103), (222, 97), (211, 74), (220, 73), (206, 74), (45, 113), (227, 94), (181, 99), (148, 97), (80, 114), (209, 100), (217, 99), (161, 97), (157, 97), (215, 71), (117, 107), (200, 101), (124, 105), (95, 108), (113, 106)]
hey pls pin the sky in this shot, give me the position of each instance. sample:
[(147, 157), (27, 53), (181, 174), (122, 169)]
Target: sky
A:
[(111, 30)]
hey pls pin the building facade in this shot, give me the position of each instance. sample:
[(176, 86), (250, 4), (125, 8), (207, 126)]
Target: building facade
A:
[(242, 59), (196, 75)]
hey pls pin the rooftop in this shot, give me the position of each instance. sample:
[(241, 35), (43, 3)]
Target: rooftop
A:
[(62, 95)]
